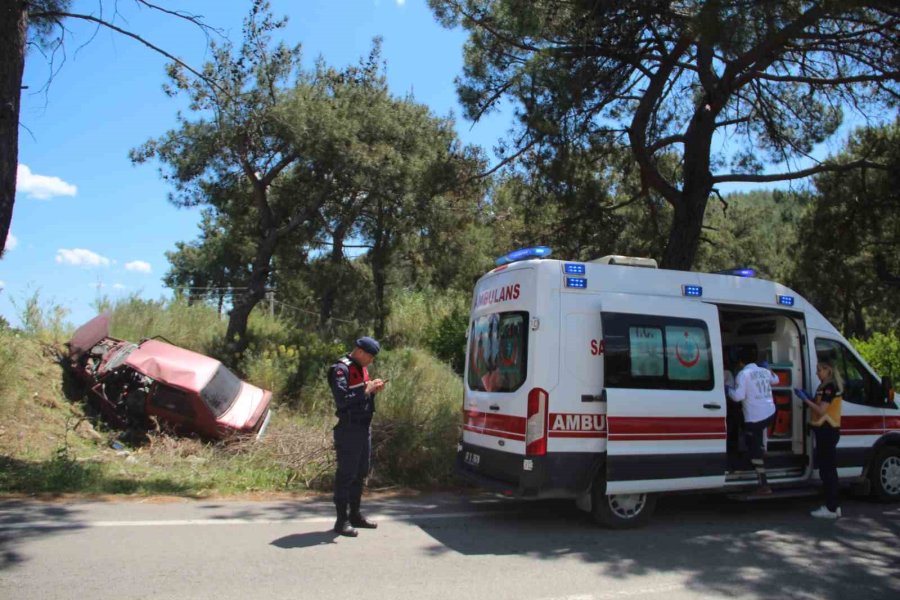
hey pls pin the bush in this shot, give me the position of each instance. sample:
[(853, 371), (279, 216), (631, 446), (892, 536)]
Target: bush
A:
[(417, 422), (447, 339), (415, 316), (882, 352)]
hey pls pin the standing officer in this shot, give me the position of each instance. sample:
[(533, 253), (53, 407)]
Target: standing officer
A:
[(354, 398)]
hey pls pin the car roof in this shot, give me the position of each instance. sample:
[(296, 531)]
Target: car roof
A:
[(173, 365)]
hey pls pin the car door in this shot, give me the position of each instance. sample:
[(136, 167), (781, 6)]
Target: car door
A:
[(664, 393), (172, 406)]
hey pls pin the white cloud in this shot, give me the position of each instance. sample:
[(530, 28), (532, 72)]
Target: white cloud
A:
[(11, 241), (2, 284), (99, 285), (139, 266), (80, 257), (401, 2), (42, 187)]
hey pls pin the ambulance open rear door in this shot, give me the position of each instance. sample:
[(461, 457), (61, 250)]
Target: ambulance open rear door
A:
[(664, 392)]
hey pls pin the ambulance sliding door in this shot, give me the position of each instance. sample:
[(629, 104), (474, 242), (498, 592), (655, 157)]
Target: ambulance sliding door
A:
[(665, 397)]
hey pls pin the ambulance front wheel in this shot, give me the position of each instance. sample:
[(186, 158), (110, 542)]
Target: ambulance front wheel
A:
[(620, 511)]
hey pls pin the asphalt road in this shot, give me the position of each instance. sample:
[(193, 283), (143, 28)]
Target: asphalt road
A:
[(445, 546)]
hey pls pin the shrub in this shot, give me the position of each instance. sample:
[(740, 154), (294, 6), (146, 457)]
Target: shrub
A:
[(416, 425), (882, 351), (447, 339), (415, 315)]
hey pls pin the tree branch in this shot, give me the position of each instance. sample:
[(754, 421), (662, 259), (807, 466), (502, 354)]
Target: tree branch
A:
[(823, 168), (67, 15)]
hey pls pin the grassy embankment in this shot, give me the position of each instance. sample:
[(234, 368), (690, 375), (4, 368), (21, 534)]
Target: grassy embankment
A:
[(50, 443)]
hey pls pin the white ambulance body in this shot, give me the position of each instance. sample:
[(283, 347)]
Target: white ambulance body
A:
[(604, 383)]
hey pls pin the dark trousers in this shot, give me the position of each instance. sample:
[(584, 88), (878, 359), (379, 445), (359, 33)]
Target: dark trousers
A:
[(756, 440), (353, 444), (827, 438)]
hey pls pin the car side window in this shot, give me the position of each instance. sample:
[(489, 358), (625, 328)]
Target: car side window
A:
[(860, 386), (172, 400)]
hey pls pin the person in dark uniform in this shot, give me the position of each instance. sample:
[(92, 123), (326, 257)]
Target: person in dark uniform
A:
[(354, 398)]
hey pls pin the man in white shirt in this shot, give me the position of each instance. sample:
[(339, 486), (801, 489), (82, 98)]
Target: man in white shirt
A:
[(753, 389)]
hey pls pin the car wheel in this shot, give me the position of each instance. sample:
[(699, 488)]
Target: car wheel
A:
[(885, 474), (620, 511)]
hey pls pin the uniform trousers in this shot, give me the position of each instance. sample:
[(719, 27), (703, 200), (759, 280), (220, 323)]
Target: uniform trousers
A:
[(827, 439), (353, 444)]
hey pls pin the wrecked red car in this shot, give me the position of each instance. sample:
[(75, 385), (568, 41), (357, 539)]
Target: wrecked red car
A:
[(133, 384)]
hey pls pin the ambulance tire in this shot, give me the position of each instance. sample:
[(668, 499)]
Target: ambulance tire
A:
[(620, 511), (885, 474)]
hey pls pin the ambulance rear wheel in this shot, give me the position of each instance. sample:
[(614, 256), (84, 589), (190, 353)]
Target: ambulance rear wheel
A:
[(621, 511), (885, 474)]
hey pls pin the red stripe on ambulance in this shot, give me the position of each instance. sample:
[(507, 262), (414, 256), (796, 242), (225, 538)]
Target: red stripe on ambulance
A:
[(666, 428)]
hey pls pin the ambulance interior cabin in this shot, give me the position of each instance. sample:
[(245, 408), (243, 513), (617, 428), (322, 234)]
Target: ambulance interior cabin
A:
[(776, 336)]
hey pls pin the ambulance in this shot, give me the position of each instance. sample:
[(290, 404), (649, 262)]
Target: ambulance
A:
[(603, 381)]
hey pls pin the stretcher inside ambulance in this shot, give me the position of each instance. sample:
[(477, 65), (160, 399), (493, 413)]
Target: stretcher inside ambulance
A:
[(604, 381)]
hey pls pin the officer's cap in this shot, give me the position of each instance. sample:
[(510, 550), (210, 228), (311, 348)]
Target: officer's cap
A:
[(368, 344)]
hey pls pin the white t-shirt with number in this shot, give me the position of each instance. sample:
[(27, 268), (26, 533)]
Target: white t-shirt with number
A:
[(753, 389)]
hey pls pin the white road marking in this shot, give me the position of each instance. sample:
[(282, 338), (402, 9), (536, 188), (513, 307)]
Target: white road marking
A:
[(640, 592), (244, 521)]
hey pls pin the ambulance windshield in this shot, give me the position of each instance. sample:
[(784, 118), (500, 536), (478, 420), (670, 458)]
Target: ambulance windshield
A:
[(498, 352)]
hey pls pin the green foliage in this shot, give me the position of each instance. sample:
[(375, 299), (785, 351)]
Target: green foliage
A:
[(882, 352), (447, 339), (849, 234), (416, 315), (43, 320), (671, 80), (754, 229), (416, 425), (195, 327), (9, 371)]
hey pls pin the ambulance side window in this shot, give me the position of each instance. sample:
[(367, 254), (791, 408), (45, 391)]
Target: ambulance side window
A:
[(498, 352), (859, 385), (653, 352)]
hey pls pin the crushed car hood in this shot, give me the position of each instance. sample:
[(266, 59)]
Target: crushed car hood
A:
[(88, 335), (173, 365)]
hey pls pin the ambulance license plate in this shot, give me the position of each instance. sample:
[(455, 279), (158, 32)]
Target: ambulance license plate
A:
[(472, 459)]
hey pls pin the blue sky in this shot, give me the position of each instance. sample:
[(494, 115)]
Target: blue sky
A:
[(88, 223)]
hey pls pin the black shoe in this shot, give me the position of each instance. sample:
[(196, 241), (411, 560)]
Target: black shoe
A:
[(343, 527), (357, 520)]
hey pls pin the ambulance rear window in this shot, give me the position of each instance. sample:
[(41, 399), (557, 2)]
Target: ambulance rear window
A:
[(498, 351)]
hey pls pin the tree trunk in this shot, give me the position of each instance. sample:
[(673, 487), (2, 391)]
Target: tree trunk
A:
[(329, 295), (684, 236), (236, 334), (380, 260), (13, 27)]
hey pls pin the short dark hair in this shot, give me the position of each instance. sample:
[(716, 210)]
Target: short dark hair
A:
[(748, 354)]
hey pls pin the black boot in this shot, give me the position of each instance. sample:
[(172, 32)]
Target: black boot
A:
[(342, 525), (357, 520)]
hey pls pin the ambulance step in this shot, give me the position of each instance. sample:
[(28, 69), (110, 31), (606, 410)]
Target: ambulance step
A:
[(791, 492)]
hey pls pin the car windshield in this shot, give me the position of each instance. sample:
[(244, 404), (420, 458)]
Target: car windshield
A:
[(221, 391)]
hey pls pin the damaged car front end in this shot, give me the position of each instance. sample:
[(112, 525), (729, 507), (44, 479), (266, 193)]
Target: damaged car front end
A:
[(134, 384)]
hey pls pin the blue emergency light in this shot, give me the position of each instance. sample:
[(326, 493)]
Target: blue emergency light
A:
[(575, 269), (692, 290), (738, 272), (579, 283), (524, 254), (786, 300)]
